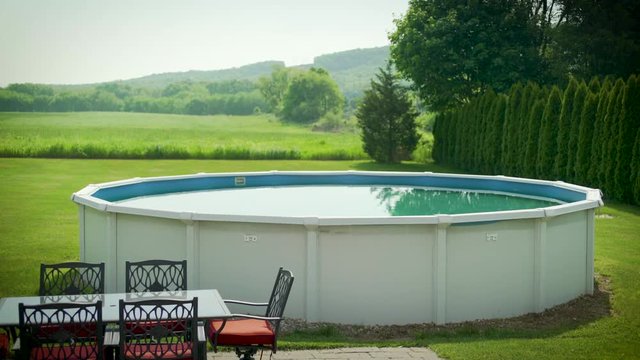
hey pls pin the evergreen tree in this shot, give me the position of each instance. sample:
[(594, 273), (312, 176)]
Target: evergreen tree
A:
[(458, 129), (635, 170), (611, 124), (440, 139), (486, 150), (493, 145), (509, 134), (564, 130), (452, 133), (547, 145), (574, 131), (465, 134), (529, 97), (629, 125), (481, 132), (474, 134), (594, 84), (533, 134), (586, 132), (387, 119), (597, 144)]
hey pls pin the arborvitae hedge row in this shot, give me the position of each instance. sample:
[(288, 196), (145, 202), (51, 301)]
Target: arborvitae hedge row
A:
[(585, 134)]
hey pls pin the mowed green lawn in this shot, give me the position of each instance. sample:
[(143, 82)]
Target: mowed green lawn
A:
[(38, 223), (136, 135)]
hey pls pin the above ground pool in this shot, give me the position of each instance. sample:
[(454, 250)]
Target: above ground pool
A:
[(336, 200), (365, 247)]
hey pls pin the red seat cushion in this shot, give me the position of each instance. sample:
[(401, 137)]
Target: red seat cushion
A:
[(64, 352), (4, 346), (243, 332), (74, 329), (152, 351), (143, 326)]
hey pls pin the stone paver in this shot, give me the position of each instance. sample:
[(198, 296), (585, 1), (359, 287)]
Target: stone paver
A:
[(396, 353)]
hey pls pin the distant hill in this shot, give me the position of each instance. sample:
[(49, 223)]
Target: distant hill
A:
[(229, 91), (247, 72), (352, 70), (351, 59)]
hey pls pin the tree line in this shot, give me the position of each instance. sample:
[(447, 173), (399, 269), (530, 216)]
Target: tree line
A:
[(295, 95), (234, 97), (585, 133)]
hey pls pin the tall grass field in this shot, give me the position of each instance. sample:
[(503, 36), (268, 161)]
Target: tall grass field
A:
[(39, 224), (99, 135)]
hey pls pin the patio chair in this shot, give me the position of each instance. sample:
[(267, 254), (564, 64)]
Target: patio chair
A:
[(248, 333), (160, 329), (71, 278), (155, 275), (61, 331)]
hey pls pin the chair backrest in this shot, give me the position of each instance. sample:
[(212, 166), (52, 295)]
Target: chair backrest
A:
[(156, 275), (158, 329), (71, 278), (61, 331), (280, 293)]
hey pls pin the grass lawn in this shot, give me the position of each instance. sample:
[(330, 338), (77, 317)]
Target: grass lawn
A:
[(136, 135), (38, 223)]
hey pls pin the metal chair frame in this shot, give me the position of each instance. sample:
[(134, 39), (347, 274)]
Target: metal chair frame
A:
[(155, 275), (61, 331), (273, 314), (159, 329), (71, 278)]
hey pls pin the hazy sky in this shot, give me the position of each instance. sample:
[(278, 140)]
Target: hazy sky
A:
[(85, 41)]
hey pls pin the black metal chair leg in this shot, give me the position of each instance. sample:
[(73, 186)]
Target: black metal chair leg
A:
[(246, 353)]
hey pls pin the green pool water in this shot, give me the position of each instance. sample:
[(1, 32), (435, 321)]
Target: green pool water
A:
[(335, 201)]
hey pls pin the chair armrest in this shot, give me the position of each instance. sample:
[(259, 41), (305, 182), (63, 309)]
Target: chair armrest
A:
[(202, 337), (202, 341), (111, 338), (244, 303), (256, 317)]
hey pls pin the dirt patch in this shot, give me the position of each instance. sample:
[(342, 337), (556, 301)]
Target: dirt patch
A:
[(577, 312)]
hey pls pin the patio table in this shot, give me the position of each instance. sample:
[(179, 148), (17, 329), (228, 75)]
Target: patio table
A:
[(210, 303), (210, 306)]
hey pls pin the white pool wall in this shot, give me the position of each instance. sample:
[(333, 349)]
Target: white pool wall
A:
[(390, 270)]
